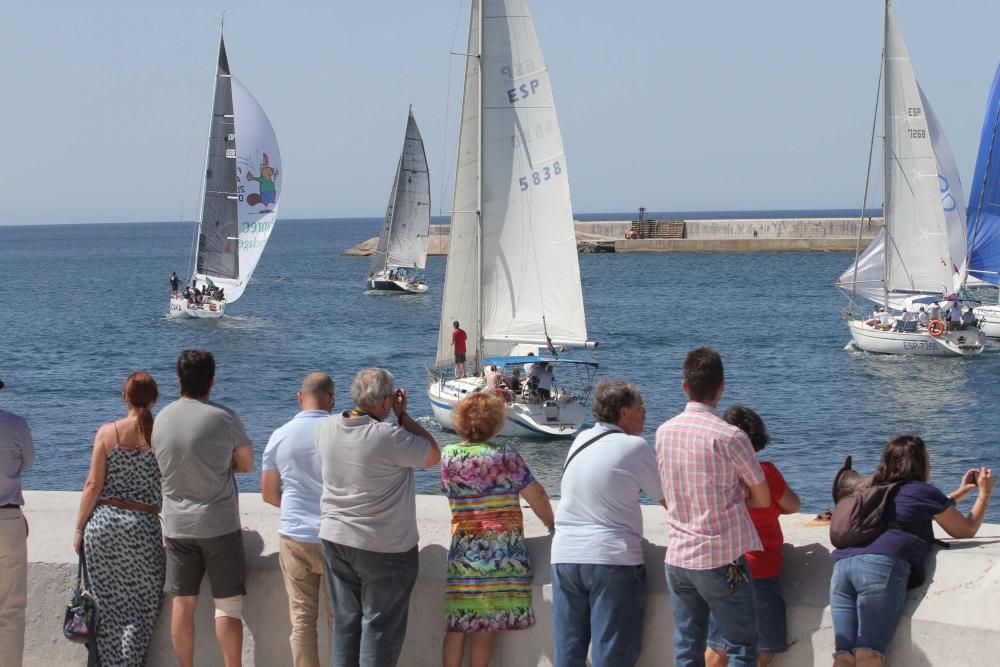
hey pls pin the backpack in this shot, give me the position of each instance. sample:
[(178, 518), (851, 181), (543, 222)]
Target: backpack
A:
[(859, 517)]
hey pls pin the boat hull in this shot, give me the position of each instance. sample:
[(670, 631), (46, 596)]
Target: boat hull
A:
[(964, 343), (989, 320), (547, 419), (395, 286), (180, 309)]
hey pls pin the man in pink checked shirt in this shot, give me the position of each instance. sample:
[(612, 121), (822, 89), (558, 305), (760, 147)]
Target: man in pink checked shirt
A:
[(709, 474)]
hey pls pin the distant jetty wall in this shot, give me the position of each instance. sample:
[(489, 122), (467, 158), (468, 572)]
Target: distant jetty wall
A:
[(732, 235), (951, 620)]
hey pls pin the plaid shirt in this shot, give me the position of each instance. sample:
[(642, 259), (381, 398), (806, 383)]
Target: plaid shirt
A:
[(705, 465)]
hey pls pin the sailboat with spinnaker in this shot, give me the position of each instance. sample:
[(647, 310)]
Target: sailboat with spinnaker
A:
[(402, 244), (919, 258), (513, 277), (984, 211), (239, 204)]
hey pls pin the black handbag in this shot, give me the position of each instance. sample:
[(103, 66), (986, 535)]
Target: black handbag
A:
[(80, 620)]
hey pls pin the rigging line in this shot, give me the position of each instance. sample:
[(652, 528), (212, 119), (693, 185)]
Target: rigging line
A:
[(447, 108), (868, 179)]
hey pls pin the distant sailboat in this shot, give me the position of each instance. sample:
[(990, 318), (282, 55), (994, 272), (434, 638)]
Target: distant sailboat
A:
[(240, 195), (513, 275), (984, 211), (402, 244), (919, 257)]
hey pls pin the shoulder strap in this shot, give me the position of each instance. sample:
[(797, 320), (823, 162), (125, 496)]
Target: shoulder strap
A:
[(118, 438), (584, 446)]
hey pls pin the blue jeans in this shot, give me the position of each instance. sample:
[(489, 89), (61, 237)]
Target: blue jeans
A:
[(605, 604), (371, 599), (867, 594), (772, 632), (694, 594)]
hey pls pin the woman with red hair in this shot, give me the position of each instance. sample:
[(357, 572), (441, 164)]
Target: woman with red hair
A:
[(118, 529)]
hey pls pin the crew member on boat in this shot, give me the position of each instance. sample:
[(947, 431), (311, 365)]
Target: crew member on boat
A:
[(546, 376), (954, 317), (175, 284), (968, 319), (492, 376), (458, 338), (923, 318), (934, 311)]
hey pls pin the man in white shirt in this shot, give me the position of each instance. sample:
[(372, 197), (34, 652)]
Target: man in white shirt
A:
[(934, 311), (923, 318), (598, 576), (292, 479), (968, 319)]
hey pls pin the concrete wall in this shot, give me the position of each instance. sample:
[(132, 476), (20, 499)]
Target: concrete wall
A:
[(952, 620)]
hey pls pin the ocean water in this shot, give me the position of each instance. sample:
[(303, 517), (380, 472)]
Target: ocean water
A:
[(81, 306)]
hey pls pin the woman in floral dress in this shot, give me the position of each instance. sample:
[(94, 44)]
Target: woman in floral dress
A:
[(118, 529), (489, 572)]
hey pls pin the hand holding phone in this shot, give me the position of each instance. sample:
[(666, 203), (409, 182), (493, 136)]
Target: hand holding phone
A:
[(399, 403)]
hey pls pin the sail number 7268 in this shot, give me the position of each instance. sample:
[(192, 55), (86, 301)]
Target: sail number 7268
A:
[(539, 177)]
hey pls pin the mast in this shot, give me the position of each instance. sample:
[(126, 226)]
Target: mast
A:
[(479, 196), (886, 165)]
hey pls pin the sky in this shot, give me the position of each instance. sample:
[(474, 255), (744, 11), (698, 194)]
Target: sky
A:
[(675, 106)]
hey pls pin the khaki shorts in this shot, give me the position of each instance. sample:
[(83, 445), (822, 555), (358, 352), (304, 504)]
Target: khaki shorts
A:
[(222, 558)]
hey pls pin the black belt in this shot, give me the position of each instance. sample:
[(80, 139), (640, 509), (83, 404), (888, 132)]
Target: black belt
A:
[(10, 506)]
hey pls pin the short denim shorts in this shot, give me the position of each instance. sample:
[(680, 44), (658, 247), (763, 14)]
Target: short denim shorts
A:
[(771, 629)]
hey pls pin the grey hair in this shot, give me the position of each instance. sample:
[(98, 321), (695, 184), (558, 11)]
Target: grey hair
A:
[(371, 386), (610, 397), (317, 382)]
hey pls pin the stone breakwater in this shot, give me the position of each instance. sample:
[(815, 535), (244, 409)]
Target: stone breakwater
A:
[(951, 620), (733, 235)]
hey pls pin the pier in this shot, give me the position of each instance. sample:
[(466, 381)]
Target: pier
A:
[(732, 235), (950, 620)]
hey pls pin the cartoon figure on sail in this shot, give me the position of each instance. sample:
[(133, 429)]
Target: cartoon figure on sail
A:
[(401, 254), (232, 227), (267, 192), (512, 282), (915, 269)]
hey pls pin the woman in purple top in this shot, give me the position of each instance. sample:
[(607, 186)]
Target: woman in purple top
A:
[(869, 583)]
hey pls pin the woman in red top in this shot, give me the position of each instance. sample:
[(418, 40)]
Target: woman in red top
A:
[(765, 565)]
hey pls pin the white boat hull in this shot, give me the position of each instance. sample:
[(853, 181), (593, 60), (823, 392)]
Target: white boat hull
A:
[(965, 343), (555, 418), (180, 308), (989, 320)]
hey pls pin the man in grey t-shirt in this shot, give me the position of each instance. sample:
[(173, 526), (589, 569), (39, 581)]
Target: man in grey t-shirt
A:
[(199, 445), (369, 521)]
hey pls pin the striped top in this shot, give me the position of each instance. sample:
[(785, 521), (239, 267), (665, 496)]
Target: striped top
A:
[(705, 467)]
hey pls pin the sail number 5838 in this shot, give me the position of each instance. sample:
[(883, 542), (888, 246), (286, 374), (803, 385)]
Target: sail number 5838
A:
[(540, 176)]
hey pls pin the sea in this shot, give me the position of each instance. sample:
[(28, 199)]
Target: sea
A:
[(84, 305)]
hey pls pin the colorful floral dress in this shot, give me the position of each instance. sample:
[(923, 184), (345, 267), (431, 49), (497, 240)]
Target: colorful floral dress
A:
[(489, 571)]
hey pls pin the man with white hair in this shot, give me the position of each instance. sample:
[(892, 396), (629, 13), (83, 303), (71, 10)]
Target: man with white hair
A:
[(369, 518), (292, 479), (17, 453)]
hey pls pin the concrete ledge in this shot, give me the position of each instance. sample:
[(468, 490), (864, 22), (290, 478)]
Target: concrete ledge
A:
[(740, 245), (951, 620)]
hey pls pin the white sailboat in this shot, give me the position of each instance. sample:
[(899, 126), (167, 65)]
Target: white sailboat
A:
[(402, 244), (513, 276), (984, 212), (919, 258), (239, 204)]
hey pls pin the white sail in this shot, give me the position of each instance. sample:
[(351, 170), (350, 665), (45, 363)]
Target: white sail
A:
[(460, 301), (923, 214), (918, 246), (403, 241), (527, 264)]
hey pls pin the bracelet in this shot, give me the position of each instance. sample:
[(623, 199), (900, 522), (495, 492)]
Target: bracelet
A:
[(78, 531)]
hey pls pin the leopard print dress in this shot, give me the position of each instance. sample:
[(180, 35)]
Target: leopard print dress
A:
[(125, 559)]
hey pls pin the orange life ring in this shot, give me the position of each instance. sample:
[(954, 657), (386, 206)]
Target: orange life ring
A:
[(935, 328)]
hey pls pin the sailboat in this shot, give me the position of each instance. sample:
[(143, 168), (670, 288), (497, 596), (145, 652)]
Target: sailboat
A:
[(513, 276), (984, 211), (402, 244), (239, 203), (919, 257)]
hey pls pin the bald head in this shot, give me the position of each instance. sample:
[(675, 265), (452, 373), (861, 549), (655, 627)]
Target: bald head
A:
[(317, 392)]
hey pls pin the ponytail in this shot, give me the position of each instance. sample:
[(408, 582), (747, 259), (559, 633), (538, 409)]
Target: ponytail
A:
[(140, 393), (144, 425)]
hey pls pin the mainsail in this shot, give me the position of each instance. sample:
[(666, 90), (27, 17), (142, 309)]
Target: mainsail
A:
[(984, 199), (513, 274), (924, 232), (403, 241), (242, 186)]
